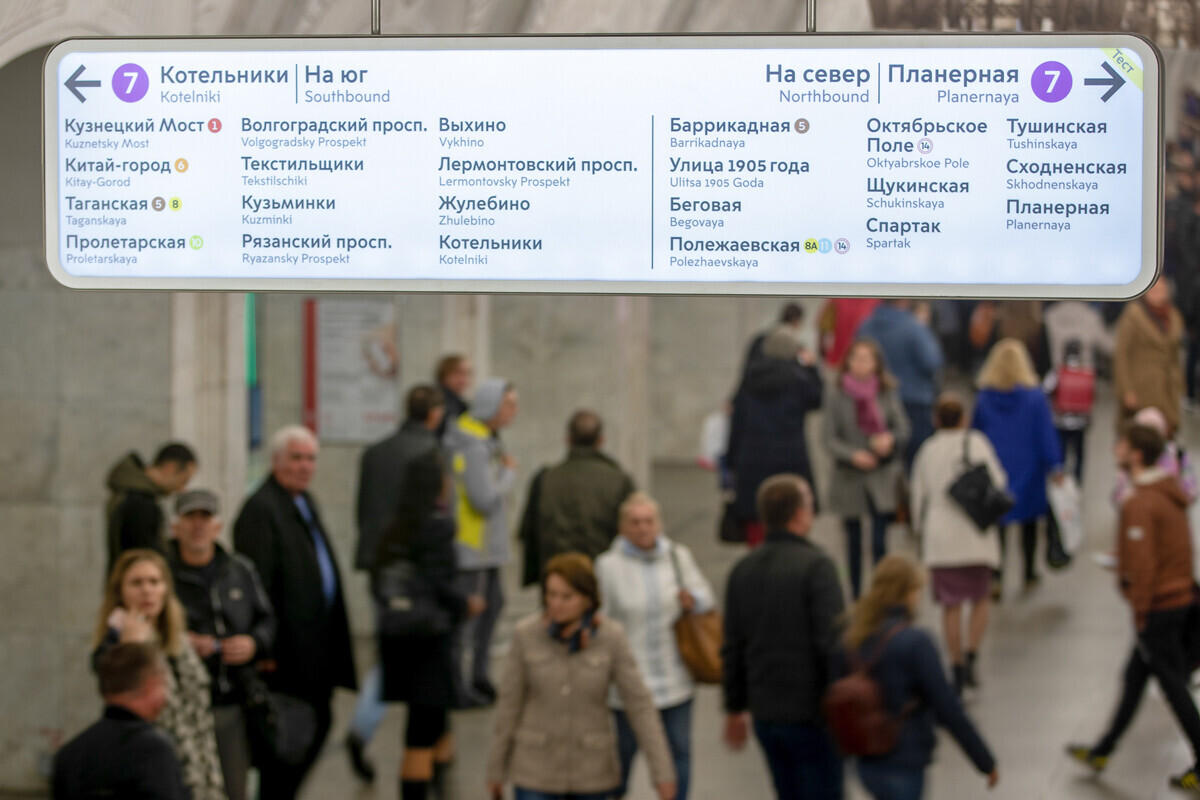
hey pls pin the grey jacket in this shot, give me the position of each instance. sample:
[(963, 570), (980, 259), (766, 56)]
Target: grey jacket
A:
[(850, 487), (553, 730), (482, 485)]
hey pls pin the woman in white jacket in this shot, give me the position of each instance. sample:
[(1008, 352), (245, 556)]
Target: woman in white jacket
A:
[(647, 581), (961, 557)]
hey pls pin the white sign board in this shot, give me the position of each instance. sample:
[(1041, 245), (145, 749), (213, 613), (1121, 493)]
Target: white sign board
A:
[(1008, 165)]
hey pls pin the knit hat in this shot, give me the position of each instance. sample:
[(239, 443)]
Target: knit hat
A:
[(1151, 417), (488, 398), (781, 343)]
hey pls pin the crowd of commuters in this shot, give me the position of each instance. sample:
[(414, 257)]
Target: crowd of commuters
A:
[(213, 662)]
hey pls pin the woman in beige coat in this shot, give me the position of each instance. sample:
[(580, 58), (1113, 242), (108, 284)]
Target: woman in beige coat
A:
[(553, 736), (1148, 358), (961, 557)]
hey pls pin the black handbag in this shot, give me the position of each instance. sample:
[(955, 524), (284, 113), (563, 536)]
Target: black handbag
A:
[(407, 603), (976, 495), (281, 727)]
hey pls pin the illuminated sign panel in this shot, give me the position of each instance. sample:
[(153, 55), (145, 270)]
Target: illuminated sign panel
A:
[(805, 164)]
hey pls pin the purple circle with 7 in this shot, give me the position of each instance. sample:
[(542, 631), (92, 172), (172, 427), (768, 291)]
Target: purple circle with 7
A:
[(130, 83), (1051, 81)]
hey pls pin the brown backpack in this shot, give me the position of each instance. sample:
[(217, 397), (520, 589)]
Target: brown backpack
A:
[(855, 710)]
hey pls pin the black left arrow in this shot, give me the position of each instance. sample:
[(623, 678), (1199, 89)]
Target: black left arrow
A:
[(1114, 81), (74, 84)]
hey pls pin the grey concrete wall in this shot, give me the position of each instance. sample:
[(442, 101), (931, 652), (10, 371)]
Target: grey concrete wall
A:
[(83, 378)]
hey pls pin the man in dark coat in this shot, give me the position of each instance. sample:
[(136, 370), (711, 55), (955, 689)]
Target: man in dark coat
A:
[(781, 608), (767, 430), (135, 520), (574, 506), (280, 530), (454, 376), (380, 485), (230, 623), (123, 755)]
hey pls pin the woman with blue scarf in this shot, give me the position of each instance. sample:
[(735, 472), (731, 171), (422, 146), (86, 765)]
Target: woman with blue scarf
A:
[(647, 582), (553, 736)]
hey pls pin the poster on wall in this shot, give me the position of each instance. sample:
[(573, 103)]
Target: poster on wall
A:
[(350, 369)]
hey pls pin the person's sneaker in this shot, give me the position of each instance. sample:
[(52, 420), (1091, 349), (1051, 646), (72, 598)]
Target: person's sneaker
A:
[(362, 767), (1188, 781), (1084, 755)]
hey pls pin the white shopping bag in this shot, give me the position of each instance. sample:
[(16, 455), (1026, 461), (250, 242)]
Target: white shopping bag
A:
[(1065, 505), (714, 437)]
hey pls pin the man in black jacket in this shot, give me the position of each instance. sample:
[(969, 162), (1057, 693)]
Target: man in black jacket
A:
[(280, 530), (229, 619), (381, 478), (133, 514), (123, 755), (782, 603)]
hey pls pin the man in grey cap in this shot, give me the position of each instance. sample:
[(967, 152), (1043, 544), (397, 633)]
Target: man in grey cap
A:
[(229, 619), (484, 475)]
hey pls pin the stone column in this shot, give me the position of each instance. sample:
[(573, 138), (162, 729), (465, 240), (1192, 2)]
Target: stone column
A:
[(208, 390), (632, 351), (467, 329)]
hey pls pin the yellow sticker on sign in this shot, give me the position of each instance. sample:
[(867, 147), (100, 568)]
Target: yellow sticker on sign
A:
[(1128, 64)]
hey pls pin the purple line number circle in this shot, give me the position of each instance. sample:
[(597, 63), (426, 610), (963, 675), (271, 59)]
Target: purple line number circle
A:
[(1051, 81), (130, 83)]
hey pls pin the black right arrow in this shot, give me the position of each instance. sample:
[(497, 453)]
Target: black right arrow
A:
[(73, 83), (1115, 82)]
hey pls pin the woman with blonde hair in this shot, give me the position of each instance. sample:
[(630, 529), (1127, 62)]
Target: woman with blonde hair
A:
[(140, 606), (1013, 413), (553, 735), (866, 431), (904, 661)]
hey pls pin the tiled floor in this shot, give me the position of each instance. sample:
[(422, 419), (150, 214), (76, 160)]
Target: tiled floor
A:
[(1049, 668)]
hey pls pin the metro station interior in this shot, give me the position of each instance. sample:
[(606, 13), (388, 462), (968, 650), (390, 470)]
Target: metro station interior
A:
[(87, 375)]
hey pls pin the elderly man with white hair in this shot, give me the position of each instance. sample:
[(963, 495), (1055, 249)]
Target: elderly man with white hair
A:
[(280, 530)]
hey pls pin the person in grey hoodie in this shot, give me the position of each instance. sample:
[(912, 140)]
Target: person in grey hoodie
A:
[(484, 476)]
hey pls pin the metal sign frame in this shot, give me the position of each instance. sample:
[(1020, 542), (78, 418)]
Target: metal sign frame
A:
[(1152, 159)]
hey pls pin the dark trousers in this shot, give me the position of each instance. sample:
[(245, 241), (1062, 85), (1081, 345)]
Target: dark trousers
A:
[(1072, 442), (677, 721), (1160, 651), (1029, 537), (803, 760), (920, 419), (853, 525), (282, 781), (473, 642), (891, 783), (533, 794)]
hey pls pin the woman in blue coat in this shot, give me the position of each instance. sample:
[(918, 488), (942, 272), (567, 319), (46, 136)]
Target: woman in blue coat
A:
[(1015, 415)]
